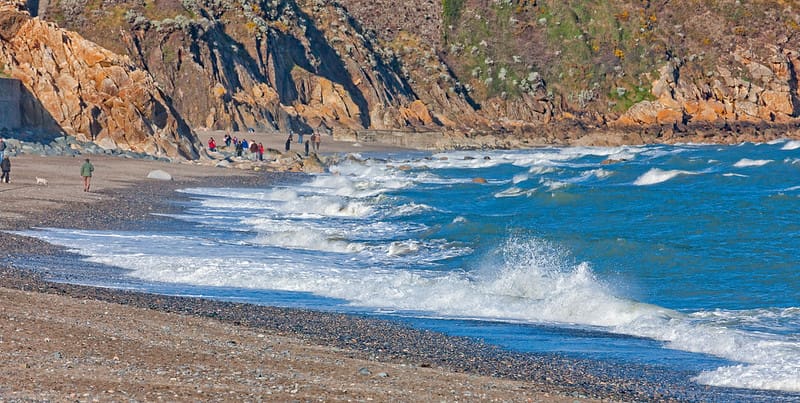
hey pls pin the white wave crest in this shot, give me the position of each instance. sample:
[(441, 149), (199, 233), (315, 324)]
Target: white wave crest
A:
[(656, 175), (745, 162), (411, 209), (791, 145), (514, 192)]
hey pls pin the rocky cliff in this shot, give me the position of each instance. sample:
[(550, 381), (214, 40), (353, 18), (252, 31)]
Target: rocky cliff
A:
[(282, 65), (73, 85), (500, 73)]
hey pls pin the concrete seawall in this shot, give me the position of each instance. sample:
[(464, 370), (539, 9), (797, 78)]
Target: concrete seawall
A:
[(10, 113)]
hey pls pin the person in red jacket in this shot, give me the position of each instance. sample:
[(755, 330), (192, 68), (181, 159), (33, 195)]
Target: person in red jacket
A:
[(260, 152), (212, 145)]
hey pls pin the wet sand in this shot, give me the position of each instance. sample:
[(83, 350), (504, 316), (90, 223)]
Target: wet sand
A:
[(69, 342)]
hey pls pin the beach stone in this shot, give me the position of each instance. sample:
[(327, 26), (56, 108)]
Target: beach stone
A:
[(160, 175), (107, 143), (364, 371), (478, 180)]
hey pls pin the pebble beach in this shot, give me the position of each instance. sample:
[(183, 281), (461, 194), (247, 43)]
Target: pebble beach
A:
[(71, 342)]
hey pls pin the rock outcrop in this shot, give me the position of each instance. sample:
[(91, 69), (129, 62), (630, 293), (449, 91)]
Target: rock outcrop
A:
[(720, 96), (76, 87), (300, 66)]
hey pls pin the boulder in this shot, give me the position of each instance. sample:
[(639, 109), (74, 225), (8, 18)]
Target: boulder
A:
[(159, 175)]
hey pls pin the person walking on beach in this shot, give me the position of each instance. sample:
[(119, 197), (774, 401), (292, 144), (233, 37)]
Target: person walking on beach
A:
[(260, 152), (86, 172), (5, 165), (308, 142), (289, 142), (2, 148)]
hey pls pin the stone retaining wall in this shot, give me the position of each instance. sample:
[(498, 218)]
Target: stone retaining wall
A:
[(10, 115), (402, 138)]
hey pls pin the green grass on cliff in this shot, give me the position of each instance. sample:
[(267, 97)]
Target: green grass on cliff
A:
[(597, 55), (452, 11)]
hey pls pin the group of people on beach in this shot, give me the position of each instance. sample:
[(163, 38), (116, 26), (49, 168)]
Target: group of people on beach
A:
[(5, 166), (256, 150), (314, 142)]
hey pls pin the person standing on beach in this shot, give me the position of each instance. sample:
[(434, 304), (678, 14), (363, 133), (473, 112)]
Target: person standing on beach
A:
[(254, 149), (317, 141), (239, 148), (289, 142), (2, 148), (260, 152), (86, 172), (308, 142), (5, 165)]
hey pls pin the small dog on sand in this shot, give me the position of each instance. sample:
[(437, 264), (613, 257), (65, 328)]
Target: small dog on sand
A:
[(41, 181)]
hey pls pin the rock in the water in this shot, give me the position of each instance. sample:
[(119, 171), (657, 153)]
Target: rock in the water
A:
[(478, 180), (160, 175)]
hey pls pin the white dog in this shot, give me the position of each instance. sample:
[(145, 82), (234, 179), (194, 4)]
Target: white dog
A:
[(41, 181)]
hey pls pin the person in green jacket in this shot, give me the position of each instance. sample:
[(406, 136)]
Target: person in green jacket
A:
[(86, 172)]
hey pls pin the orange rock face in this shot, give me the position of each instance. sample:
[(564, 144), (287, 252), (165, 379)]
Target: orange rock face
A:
[(73, 85), (769, 97)]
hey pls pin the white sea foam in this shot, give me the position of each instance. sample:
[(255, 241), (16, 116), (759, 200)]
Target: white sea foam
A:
[(309, 240), (398, 248), (656, 175), (745, 162), (785, 377), (526, 280)]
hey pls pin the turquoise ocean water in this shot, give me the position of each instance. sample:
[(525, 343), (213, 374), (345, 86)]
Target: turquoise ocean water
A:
[(681, 257)]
